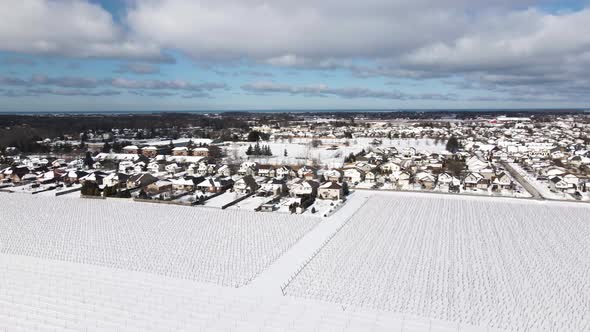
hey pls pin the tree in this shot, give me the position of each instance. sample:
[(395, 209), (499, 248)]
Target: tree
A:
[(257, 150), (285, 153), (90, 188), (345, 189), (315, 143), (106, 148), (88, 161), (453, 144), (249, 151), (455, 167), (254, 136)]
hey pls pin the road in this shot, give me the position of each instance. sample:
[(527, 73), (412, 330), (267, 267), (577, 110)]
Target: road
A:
[(523, 182)]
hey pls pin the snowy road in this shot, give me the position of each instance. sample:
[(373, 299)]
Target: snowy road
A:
[(275, 277), (523, 182)]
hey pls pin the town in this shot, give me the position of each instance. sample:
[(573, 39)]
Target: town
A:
[(308, 163)]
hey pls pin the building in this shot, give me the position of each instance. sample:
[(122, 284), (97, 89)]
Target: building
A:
[(331, 190)]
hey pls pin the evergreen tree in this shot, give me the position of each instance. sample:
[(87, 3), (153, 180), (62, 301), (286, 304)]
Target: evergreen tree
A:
[(106, 148), (249, 151), (285, 153), (88, 161), (257, 149), (453, 144)]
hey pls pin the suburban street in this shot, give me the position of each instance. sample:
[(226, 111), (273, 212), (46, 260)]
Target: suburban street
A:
[(523, 182)]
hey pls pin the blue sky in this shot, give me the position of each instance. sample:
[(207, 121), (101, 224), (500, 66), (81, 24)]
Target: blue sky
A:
[(100, 55)]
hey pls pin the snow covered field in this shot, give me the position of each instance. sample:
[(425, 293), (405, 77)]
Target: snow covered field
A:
[(209, 245), (299, 150), (514, 265), (48, 295)]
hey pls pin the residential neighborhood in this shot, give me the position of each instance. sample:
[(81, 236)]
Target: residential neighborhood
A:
[(308, 165)]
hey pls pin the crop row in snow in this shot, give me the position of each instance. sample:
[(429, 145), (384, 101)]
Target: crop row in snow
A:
[(509, 265), (209, 245)]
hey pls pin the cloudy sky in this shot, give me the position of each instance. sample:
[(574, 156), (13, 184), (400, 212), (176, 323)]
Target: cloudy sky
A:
[(77, 55)]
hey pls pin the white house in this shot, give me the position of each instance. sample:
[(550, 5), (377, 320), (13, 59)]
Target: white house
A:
[(353, 175), (330, 190)]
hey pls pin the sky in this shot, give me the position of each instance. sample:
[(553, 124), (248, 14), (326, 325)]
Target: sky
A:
[(119, 55)]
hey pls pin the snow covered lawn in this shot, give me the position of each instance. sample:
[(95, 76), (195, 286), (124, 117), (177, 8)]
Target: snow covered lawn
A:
[(514, 265), (300, 149), (221, 200), (209, 245)]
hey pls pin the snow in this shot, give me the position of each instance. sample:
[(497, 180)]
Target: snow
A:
[(210, 245), (49, 295), (250, 203), (509, 264), (300, 150), (381, 262), (221, 200)]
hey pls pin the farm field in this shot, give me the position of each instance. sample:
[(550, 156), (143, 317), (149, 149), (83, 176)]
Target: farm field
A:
[(48, 295), (507, 264), (209, 245)]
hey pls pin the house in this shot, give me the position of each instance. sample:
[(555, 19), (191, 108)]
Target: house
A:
[(266, 171), (403, 179), (116, 180), (200, 152), (370, 176), (18, 174), (283, 171), (487, 173), (274, 187), (572, 179), (173, 168), (331, 190), (94, 177), (215, 185), (183, 184), (180, 151), (408, 152), (158, 187), (72, 177), (353, 175), (391, 167), (223, 171), (202, 170), (150, 151), (247, 168), (307, 172), (304, 188), (503, 181), (131, 149), (332, 175), (140, 180), (246, 185), (472, 179), (268, 207), (474, 164), (426, 180), (447, 182), (558, 184)]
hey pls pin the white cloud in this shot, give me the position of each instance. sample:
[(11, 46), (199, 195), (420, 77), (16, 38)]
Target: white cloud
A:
[(67, 27), (323, 90)]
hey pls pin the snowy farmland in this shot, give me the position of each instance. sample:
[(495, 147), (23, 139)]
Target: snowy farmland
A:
[(224, 247), (508, 264)]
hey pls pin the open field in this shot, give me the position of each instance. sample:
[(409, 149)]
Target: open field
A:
[(514, 265), (224, 247), (383, 261), (299, 150), (47, 295)]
